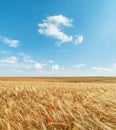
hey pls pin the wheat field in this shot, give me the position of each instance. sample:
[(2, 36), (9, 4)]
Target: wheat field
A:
[(32, 105)]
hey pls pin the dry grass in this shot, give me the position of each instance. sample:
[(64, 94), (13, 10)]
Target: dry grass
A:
[(57, 106)]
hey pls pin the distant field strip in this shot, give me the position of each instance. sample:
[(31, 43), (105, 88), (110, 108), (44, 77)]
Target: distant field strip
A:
[(29, 105), (62, 79)]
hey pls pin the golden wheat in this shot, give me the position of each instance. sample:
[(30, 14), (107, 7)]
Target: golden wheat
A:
[(27, 105)]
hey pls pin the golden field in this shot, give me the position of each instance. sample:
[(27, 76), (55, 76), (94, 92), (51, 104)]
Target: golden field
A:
[(59, 104)]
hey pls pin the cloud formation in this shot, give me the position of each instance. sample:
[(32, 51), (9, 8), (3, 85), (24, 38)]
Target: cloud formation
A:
[(55, 67), (10, 60), (4, 52), (38, 66), (24, 64), (79, 39), (52, 27), (114, 65), (10, 42), (51, 61), (80, 66), (26, 58), (100, 69)]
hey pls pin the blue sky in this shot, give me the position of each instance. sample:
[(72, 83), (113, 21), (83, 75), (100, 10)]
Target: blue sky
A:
[(58, 38)]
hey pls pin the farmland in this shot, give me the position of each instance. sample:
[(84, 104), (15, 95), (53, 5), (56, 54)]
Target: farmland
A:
[(57, 103)]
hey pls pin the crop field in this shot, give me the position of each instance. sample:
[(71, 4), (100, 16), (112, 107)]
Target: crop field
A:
[(57, 104)]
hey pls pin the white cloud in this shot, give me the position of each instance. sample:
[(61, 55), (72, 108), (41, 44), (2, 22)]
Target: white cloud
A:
[(79, 39), (22, 64), (26, 58), (100, 69), (15, 62), (38, 66), (80, 66), (17, 70), (4, 52), (55, 67), (15, 65), (51, 61), (52, 27), (10, 60), (10, 42), (114, 65)]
